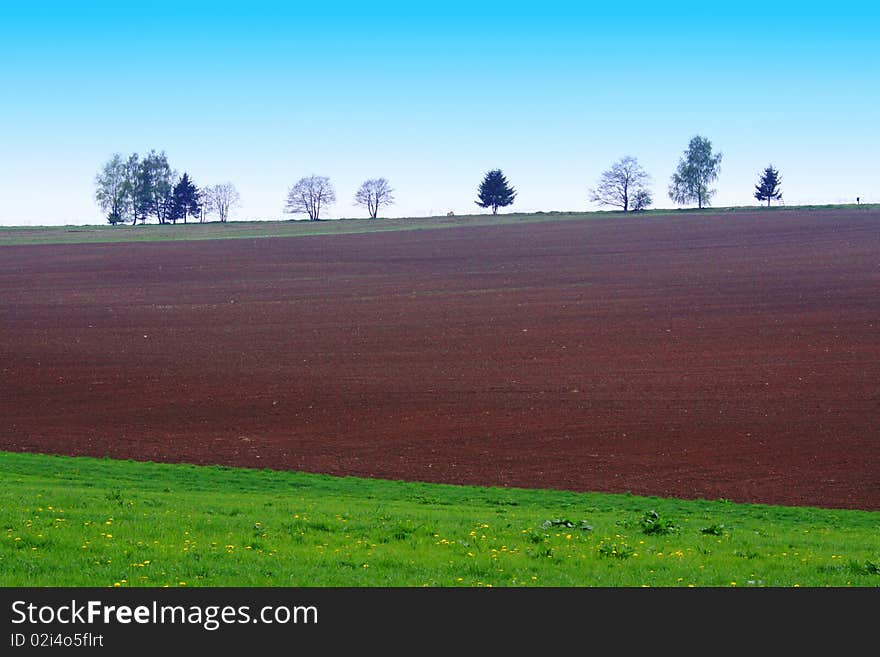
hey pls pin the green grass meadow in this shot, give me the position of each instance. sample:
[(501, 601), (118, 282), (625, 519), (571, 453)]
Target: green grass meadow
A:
[(68, 521)]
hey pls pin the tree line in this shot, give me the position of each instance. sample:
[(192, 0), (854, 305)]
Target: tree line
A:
[(624, 185), (135, 189)]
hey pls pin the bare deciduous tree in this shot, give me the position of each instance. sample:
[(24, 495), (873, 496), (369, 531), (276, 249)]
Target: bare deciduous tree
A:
[(373, 194), (619, 185), (309, 195), (221, 199)]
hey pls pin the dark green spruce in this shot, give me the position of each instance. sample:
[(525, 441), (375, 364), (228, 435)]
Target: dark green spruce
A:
[(495, 192), (185, 200), (767, 188)]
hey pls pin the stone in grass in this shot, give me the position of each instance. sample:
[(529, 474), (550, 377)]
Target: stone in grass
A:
[(563, 522)]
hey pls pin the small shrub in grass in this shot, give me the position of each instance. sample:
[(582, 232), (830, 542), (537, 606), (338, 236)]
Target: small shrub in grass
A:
[(542, 553), (651, 523), (745, 554), (713, 530), (866, 568), (535, 537), (401, 531), (615, 550)]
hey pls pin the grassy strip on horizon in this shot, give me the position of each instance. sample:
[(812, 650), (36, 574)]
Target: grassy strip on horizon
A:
[(100, 522), (72, 234)]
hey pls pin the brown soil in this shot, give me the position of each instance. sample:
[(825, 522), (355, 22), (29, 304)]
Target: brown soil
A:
[(731, 356)]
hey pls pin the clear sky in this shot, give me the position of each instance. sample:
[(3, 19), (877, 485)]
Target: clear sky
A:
[(433, 95)]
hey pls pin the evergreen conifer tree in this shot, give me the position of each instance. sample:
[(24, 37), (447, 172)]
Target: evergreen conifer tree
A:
[(185, 200), (767, 188), (494, 192)]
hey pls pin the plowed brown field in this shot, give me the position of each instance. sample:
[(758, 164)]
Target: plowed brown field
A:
[(693, 356)]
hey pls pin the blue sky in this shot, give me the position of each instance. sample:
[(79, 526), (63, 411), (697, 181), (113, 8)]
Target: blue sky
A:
[(431, 97)]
